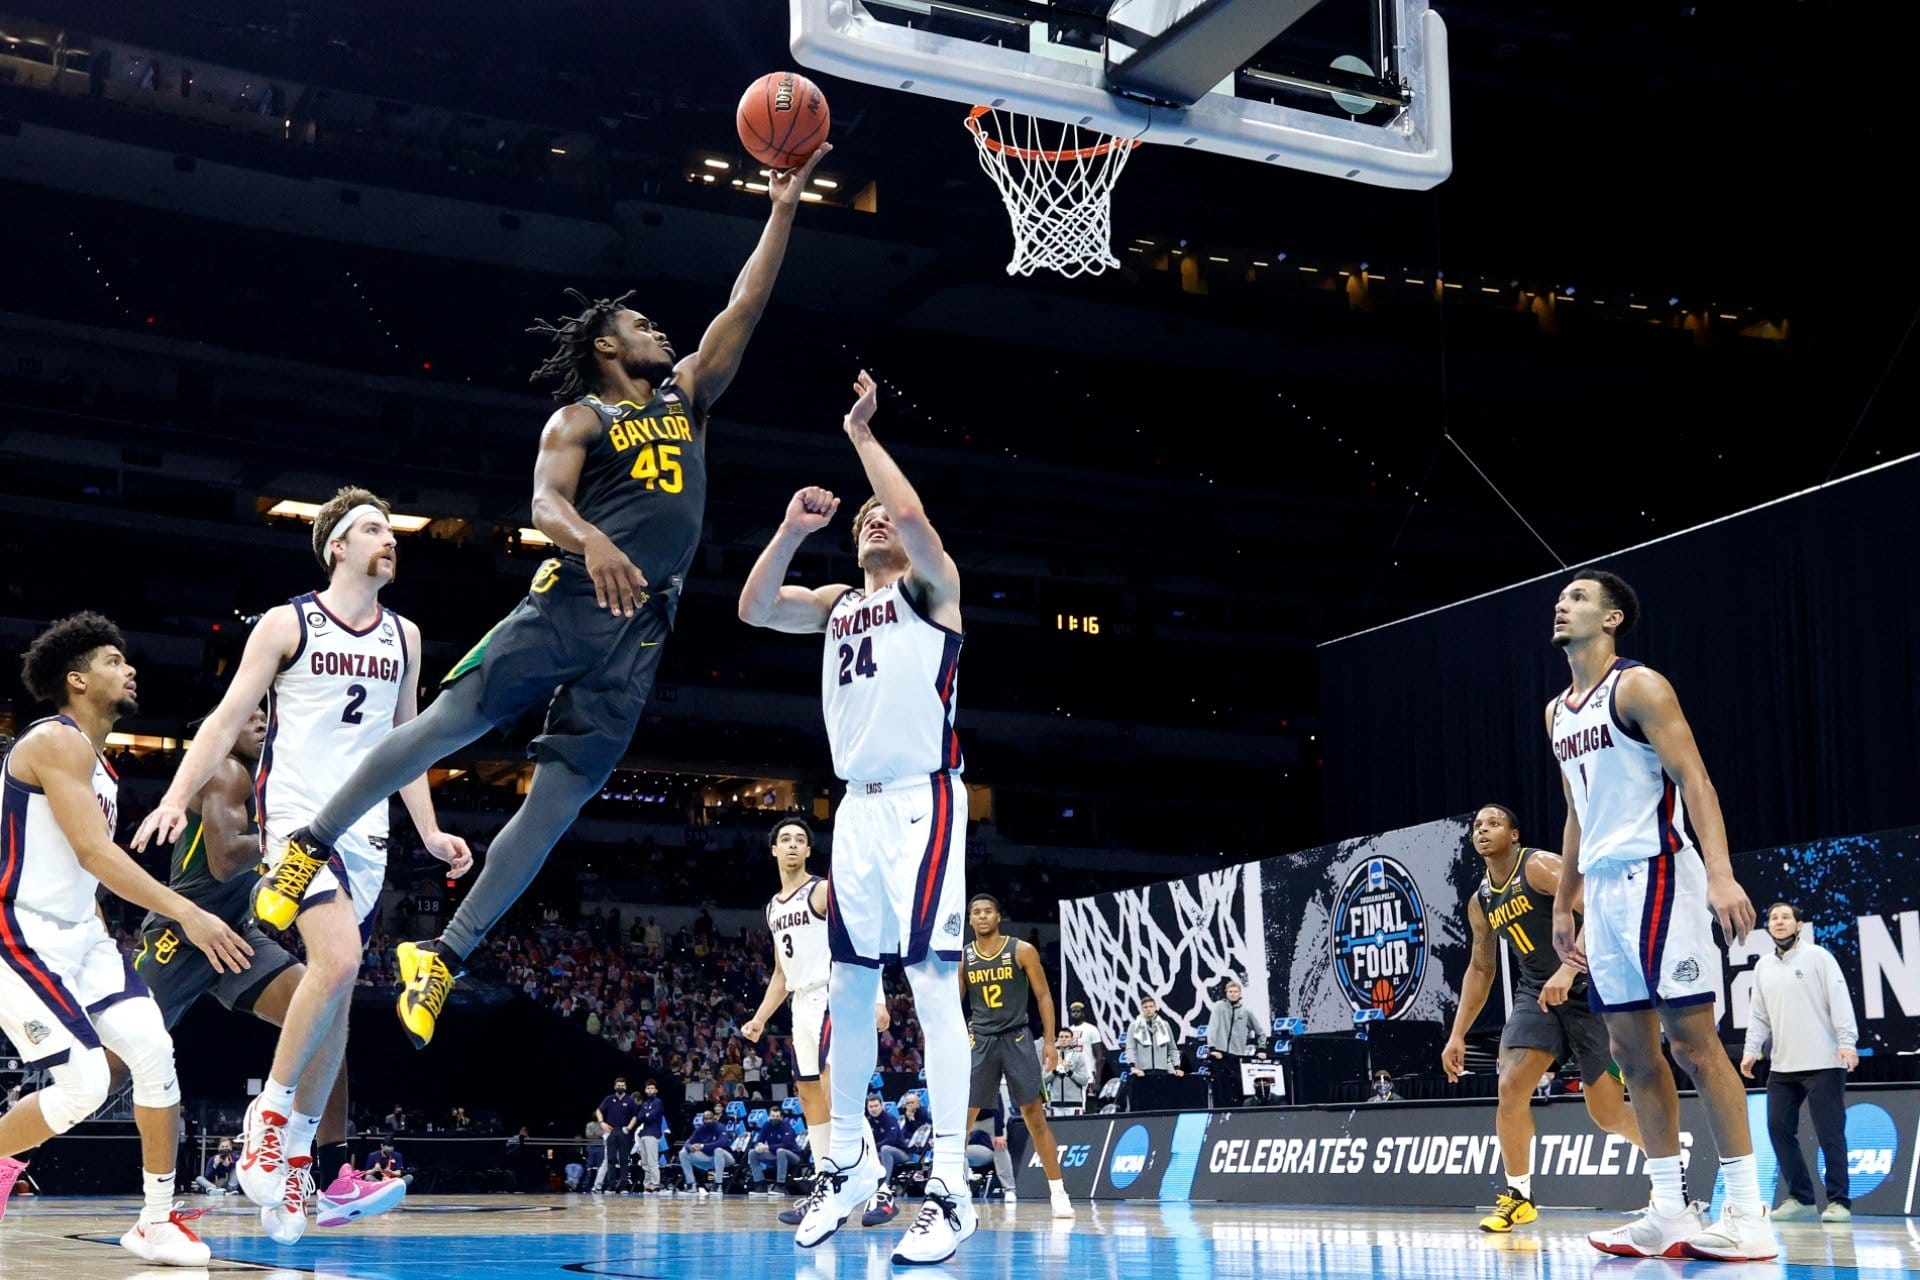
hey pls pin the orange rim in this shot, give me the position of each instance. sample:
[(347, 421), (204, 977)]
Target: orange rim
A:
[(1030, 153)]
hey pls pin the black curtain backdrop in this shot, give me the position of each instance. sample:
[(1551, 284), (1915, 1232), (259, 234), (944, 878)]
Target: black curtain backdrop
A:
[(1791, 634)]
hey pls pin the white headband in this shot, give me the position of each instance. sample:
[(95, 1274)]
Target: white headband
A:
[(345, 523)]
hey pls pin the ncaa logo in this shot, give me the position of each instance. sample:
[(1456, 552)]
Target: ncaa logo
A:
[(1129, 1157), (1379, 937), (1871, 1145)]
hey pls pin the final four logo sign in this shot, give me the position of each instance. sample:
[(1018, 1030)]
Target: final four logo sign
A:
[(1379, 937)]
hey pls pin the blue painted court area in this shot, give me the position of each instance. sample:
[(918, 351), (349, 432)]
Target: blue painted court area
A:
[(1141, 1241)]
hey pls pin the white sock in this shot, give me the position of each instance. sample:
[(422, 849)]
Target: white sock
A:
[(1056, 1188), (300, 1131), (1743, 1183), (823, 1138), (851, 992), (949, 1059), (277, 1098), (159, 1189), (1669, 1184), (1521, 1182)]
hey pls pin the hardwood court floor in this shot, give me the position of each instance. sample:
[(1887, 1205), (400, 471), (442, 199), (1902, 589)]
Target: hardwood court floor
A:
[(560, 1237)]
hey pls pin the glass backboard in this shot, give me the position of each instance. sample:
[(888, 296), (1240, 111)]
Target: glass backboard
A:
[(1349, 88)]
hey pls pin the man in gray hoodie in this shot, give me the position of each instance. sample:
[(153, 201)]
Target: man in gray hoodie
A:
[(1802, 1008)]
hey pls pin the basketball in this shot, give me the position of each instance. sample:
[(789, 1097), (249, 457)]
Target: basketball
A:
[(782, 119)]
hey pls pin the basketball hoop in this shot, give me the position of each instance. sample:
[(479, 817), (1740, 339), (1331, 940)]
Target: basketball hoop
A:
[(1058, 190)]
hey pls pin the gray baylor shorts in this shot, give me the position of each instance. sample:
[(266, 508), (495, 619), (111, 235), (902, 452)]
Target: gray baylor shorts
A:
[(1568, 1031), (1009, 1055)]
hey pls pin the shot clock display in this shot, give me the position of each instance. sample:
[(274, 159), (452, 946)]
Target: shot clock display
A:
[(1086, 624)]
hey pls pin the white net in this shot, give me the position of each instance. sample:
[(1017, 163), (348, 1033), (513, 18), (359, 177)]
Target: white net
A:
[(1177, 942), (1057, 183)]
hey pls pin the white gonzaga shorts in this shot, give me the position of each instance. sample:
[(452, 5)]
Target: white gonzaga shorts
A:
[(357, 865), (1649, 934), (54, 977), (899, 882), (812, 1031)]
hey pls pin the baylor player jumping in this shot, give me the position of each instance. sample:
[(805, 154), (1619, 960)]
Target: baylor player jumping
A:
[(620, 488), (1550, 1020), (998, 975)]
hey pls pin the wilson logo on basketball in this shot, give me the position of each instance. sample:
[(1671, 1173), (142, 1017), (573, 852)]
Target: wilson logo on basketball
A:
[(783, 96), (1379, 937)]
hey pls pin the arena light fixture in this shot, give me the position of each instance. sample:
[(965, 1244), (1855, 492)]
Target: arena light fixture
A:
[(291, 509)]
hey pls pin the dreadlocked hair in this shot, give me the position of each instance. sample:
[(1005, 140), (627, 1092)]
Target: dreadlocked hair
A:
[(572, 359)]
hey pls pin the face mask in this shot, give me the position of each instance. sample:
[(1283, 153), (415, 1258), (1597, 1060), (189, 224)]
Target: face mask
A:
[(619, 1088)]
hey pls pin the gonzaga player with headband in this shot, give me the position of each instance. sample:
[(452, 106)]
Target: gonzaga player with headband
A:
[(338, 671), (797, 921), (888, 681), (67, 993), (1631, 772)]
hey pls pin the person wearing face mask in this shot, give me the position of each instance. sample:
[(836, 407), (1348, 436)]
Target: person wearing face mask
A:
[(219, 1177), (1803, 1011), (619, 1116), (652, 1131), (1383, 1088)]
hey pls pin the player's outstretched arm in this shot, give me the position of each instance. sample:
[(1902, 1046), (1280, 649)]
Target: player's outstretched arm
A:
[(418, 795), (1568, 897), (61, 765), (934, 571), (705, 373), (765, 599), (1645, 700), (618, 584), (231, 842), (269, 647), (756, 1026), (1027, 956), (1483, 963), (1544, 870)]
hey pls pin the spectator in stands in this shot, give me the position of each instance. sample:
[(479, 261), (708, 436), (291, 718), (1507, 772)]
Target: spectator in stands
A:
[(219, 1178), (913, 1118), (1088, 1037), (987, 1148), (1383, 1090), (1232, 1038), (1067, 1084), (652, 1135), (397, 1119), (619, 1115), (1153, 1047), (596, 1135), (706, 1148), (1803, 1013), (891, 1143), (386, 1163), (776, 1144)]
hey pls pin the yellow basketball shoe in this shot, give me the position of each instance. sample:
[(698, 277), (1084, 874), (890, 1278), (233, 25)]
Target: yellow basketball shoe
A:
[(276, 899), (1511, 1210), (425, 984)]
